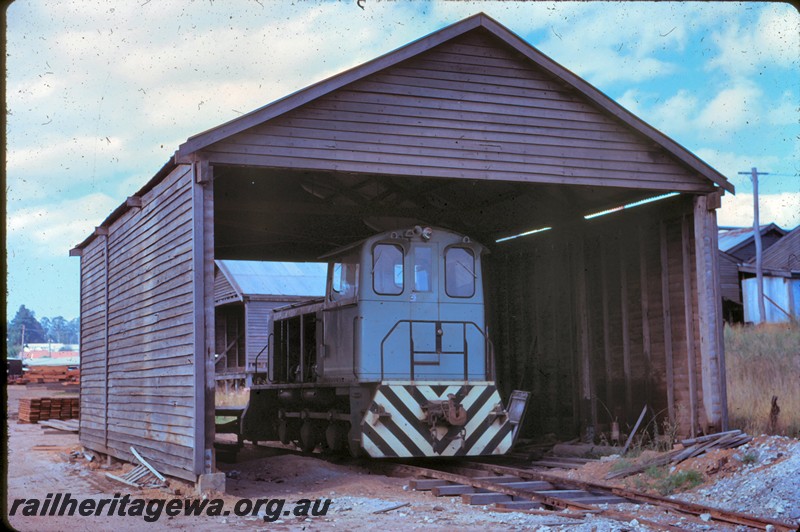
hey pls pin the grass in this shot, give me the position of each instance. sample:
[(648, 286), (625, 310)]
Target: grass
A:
[(665, 483), (232, 397), (762, 361)]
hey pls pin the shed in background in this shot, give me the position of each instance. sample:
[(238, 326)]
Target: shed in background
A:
[(245, 294), (737, 246), (739, 242), (781, 269)]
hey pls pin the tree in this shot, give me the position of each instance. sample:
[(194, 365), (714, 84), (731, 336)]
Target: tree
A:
[(47, 325), (59, 330), (34, 333), (74, 331)]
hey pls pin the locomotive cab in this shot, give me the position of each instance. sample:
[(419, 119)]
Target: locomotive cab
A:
[(394, 361), (406, 306)]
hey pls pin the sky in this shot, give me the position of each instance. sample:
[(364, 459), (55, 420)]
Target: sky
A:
[(100, 94)]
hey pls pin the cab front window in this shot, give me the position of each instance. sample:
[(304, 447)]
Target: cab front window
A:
[(387, 269), (459, 274)]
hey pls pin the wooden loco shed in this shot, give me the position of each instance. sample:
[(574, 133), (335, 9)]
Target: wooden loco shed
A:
[(469, 128)]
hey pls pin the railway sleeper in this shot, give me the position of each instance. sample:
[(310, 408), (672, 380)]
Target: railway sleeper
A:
[(485, 498), (519, 505)]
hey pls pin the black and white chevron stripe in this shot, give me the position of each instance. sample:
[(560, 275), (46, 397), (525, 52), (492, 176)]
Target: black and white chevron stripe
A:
[(405, 433)]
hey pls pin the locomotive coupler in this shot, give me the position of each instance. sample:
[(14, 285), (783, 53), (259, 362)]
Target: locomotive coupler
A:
[(450, 412)]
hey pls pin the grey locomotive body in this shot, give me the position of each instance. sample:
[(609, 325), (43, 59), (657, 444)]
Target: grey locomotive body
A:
[(394, 361)]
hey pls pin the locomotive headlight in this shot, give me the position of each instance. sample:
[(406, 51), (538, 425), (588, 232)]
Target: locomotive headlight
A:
[(427, 233)]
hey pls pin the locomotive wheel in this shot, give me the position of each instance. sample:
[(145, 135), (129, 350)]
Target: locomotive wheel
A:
[(355, 449), (283, 432), (334, 436), (308, 436)]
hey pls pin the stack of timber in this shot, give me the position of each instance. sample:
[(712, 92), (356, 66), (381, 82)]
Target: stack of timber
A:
[(42, 408), (49, 374), (688, 449)]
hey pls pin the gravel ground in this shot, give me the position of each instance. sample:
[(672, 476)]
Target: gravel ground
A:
[(767, 484), (761, 478)]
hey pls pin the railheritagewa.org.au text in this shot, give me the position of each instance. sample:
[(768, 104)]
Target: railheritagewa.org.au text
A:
[(151, 510)]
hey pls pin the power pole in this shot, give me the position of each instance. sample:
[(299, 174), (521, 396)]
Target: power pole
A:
[(762, 312)]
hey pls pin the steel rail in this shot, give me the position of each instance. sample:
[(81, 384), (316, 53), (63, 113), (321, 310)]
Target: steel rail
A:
[(549, 500), (730, 517)]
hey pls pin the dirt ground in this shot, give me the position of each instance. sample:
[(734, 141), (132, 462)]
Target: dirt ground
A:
[(41, 462)]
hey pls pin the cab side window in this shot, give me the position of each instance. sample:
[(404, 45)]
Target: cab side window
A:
[(459, 274), (344, 280), (387, 269)]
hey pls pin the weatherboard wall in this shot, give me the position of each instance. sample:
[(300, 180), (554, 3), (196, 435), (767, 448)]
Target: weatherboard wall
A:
[(93, 345), (472, 108), (138, 309), (595, 321)]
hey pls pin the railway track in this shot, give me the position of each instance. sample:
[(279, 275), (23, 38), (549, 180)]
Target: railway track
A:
[(512, 488), (506, 485)]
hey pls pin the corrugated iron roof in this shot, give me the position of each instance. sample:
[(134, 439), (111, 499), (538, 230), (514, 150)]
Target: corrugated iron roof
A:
[(783, 255), (733, 238), (295, 279)]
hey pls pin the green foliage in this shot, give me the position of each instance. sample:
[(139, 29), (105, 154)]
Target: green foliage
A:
[(680, 481), (57, 330), (619, 465), (25, 320), (660, 480), (749, 458)]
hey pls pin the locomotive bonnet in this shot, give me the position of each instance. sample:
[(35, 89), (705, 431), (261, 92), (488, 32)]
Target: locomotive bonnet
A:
[(394, 360)]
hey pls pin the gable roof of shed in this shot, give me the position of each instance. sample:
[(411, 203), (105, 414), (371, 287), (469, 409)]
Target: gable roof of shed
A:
[(783, 255), (297, 99), (280, 279), (732, 239)]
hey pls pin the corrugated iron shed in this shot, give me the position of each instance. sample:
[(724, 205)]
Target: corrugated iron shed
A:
[(782, 258), (739, 242), (275, 280)]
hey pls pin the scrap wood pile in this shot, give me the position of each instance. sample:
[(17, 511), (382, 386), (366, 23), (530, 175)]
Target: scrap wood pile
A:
[(688, 449), (50, 374), (42, 408)]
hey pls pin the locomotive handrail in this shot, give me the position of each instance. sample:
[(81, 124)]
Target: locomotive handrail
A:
[(266, 347), (487, 343)]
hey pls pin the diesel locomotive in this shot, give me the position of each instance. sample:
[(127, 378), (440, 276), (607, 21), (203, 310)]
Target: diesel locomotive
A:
[(394, 361)]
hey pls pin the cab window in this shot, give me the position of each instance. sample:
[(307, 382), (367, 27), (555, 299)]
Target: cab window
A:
[(344, 280), (423, 265), (459, 274), (387, 269)]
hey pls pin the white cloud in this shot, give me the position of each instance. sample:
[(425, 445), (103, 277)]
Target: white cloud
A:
[(52, 229), (774, 39), (782, 209), (736, 107), (730, 110), (730, 164), (786, 111)]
